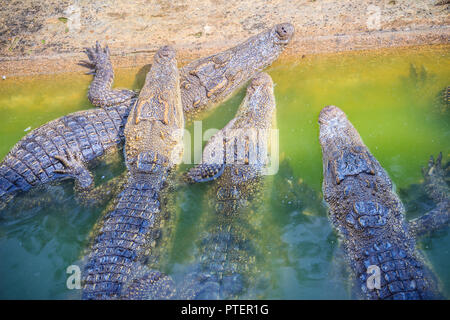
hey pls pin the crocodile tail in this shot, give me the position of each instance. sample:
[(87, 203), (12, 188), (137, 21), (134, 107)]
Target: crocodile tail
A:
[(130, 233)]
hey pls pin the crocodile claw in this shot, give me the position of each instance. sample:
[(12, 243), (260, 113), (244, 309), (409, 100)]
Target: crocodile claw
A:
[(74, 168), (90, 66), (86, 64), (434, 167), (97, 56), (435, 180)]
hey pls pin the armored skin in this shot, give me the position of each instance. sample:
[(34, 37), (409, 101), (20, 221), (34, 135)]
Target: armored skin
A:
[(369, 217), (128, 240), (100, 93), (82, 136), (236, 158), (89, 134), (208, 81)]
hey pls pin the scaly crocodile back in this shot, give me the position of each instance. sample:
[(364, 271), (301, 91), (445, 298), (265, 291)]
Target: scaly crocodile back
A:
[(230, 251), (129, 234), (89, 134), (369, 217)]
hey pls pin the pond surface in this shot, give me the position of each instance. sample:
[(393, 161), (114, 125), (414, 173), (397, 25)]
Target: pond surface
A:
[(390, 96)]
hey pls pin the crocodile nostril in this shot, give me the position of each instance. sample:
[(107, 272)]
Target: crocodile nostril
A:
[(284, 31)]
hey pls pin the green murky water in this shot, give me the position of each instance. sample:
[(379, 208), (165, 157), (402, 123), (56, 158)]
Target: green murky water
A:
[(390, 96)]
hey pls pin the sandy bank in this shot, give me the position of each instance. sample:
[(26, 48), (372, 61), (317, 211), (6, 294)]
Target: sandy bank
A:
[(48, 36)]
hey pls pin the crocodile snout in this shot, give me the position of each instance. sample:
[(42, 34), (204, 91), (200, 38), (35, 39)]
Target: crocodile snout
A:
[(166, 52), (331, 114), (335, 128), (261, 79)]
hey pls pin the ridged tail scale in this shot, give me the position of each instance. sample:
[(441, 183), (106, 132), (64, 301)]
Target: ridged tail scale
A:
[(126, 240)]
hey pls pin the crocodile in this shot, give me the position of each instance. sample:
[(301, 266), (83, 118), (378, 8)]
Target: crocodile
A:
[(369, 217), (89, 134), (235, 159), (128, 238)]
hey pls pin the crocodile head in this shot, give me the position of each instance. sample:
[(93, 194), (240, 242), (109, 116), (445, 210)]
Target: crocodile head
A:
[(258, 107), (355, 186), (244, 142), (283, 33), (154, 129), (343, 152)]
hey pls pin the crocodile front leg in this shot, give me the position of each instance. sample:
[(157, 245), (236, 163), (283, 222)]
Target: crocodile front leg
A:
[(100, 93), (433, 220), (74, 168), (85, 191), (438, 190), (90, 134)]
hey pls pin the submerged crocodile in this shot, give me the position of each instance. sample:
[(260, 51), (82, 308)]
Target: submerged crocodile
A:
[(130, 232), (236, 157), (444, 100), (89, 134), (369, 216)]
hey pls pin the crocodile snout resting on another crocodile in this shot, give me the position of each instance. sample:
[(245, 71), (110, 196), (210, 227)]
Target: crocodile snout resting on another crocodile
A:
[(236, 158), (90, 134), (369, 217), (131, 232), (206, 82)]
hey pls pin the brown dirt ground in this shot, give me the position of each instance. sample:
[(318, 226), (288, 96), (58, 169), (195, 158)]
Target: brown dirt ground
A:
[(48, 36)]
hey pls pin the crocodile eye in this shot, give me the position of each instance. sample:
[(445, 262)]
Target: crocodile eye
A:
[(284, 31)]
